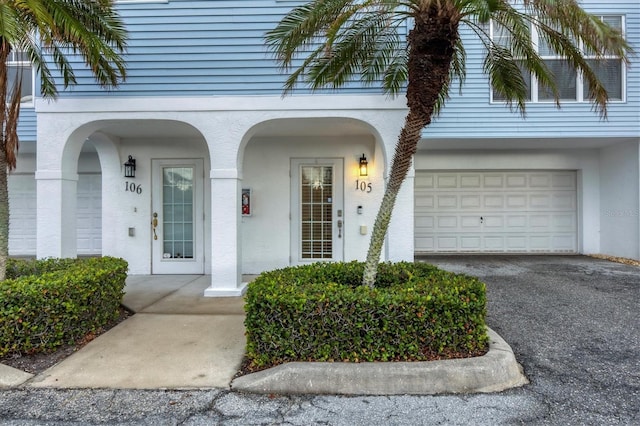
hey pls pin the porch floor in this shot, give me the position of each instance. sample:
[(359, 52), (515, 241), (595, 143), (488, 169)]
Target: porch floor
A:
[(178, 294)]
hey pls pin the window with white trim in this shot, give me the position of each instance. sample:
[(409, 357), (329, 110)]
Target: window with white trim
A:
[(18, 64), (570, 85)]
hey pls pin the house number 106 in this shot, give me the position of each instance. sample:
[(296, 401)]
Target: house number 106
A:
[(132, 187), (363, 186)]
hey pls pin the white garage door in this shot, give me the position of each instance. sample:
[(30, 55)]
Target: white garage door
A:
[(89, 225), (22, 219), (22, 215), (485, 212)]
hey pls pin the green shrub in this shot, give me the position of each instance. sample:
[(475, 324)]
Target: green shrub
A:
[(320, 312), (47, 303)]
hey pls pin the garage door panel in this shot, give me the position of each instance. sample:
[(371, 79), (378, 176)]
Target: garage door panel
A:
[(423, 181), (447, 181), (494, 201), (541, 242), (516, 181), (424, 200), (470, 201), (564, 180), (516, 243), (447, 202), (516, 202), (89, 214), (564, 201), (426, 242), (493, 222), (564, 222), (563, 243), (471, 243), (470, 223), (471, 181), (22, 214), (424, 222), (447, 243), (540, 181), (520, 212), (517, 222), (493, 181), (447, 222), (493, 243)]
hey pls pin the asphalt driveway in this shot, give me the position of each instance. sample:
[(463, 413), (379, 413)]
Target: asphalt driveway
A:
[(572, 321)]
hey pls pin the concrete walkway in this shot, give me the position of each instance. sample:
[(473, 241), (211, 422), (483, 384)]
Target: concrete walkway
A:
[(176, 339)]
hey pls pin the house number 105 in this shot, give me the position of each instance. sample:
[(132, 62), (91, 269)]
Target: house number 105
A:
[(132, 187), (363, 186)]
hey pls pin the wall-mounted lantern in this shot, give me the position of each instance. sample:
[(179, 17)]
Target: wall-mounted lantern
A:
[(130, 168), (363, 166)]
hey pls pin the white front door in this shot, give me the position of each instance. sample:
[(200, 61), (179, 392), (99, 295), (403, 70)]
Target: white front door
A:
[(317, 219), (177, 217)]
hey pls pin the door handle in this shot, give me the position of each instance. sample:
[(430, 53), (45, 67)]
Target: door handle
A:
[(154, 224), (339, 229)]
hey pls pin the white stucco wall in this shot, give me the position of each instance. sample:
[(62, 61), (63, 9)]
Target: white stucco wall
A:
[(226, 126), (131, 210), (620, 200), (584, 161), (266, 170)]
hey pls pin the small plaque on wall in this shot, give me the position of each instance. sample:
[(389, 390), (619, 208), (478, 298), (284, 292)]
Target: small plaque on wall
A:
[(246, 202)]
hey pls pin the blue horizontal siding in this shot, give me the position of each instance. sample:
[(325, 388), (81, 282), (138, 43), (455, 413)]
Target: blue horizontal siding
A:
[(27, 125), (199, 48), (214, 48)]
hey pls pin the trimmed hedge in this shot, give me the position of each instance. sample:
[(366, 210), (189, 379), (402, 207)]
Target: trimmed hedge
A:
[(48, 303), (320, 312)]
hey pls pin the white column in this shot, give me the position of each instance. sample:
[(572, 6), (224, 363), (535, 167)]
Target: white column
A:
[(226, 258), (400, 241), (56, 214)]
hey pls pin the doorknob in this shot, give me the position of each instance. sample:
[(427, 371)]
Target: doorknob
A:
[(154, 224), (339, 229)]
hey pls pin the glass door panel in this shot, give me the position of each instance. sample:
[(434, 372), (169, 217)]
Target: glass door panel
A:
[(177, 203)]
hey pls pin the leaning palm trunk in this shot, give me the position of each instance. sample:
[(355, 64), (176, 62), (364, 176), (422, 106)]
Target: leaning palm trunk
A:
[(431, 47), (4, 217), (405, 148), (5, 49)]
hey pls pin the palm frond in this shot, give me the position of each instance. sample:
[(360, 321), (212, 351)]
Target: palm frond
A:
[(340, 41), (396, 73), (506, 77), (302, 28)]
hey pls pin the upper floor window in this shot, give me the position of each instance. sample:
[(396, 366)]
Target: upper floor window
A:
[(18, 64), (570, 85)]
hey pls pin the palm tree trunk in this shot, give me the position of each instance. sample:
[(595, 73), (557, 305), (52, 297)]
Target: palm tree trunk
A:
[(431, 47), (405, 148), (4, 216), (5, 49)]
